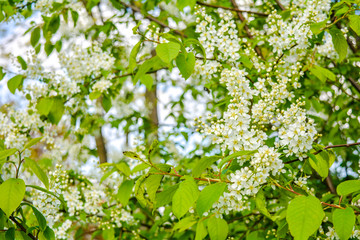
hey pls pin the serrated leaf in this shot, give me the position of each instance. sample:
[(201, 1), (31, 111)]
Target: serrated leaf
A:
[(139, 190), (218, 228), (339, 42), (304, 216), (348, 187), (123, 168), (319, 165), (317, 28), (184, 197), (186, 64), (344, 221), (124, 192), (208, 196), (184, 224), (38, 171), (355, 23), (165, 197), (167, 51), (260, 202), (14, 83), (322, 73), (204, 163), (12, 193)]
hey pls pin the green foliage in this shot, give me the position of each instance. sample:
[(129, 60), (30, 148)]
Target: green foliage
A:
[(344, 220), (13, 191), (218, 228), (339, 42), (208, 196), (167, 51), (37, 171), (348, 187), (304, 216), (184, 197), (15, 83)]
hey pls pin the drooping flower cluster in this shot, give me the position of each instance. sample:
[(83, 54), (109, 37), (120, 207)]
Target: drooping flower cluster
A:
[(253, 114)]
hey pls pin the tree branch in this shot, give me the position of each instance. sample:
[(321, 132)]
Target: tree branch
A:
[(246, 27), (354, 84), (280, 5), (232, 9), (22, 228), (152, 18), (327, 147)]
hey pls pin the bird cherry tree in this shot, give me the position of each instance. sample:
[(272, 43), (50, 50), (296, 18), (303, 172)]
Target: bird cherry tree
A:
[(228, 119)]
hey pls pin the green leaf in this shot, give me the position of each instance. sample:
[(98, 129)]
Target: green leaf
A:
[(44, 105), (184, 197), (124, 191), (22, 62), (339, 42), (218, 228), (193, 41), (94, 95), (35, 36), (304, 216), (319, 165), (234, 155), (108, 174), (48, 192), (165, 197), (152, 184), (246, 61), (106, 103), (38, 171), (348, 187), (124, 168), (260, 202), (132, 155), (140, 167), (74, 16), (7, 152), (322, 73), (344, 221), (181, 4), (186, 64), (167, 51), (54, 24), (49, 234), (15, 83), (56, 111), (10, 234), (355, 23), (132, 57), (49, 47), (203, 164), (184, 224), (208, 196), (147, 80), (12, 193), (317, 28), (32, 142), (146, 66), (40, 218), (201, 231), (140, 190), (152, 147)]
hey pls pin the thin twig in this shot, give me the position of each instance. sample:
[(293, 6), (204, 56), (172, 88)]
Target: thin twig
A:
[(246, 27), (231, 9), (152, 18), (327, 147), (22, 228)]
